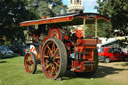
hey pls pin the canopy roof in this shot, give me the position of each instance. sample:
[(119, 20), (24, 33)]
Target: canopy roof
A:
[(70, 19)]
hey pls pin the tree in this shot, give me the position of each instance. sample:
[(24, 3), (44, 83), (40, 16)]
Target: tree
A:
[(48, 7), (117, 10), (104, 30), (12, 12)]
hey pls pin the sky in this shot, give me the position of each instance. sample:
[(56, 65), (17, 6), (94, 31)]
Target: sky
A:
[(88, 5)]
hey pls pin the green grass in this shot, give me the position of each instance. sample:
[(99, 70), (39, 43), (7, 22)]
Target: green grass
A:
[(12, 73)]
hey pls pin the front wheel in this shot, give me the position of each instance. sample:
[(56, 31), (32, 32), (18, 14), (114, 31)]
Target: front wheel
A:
[(54, 58), (126, 59), (30, 62), (107, 60)]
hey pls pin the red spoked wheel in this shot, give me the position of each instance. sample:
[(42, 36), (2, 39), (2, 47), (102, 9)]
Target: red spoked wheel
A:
[(54, 58), (30, 63)]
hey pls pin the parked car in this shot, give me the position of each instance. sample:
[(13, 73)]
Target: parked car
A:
[(5, 52), (17, 47), (108, 54)]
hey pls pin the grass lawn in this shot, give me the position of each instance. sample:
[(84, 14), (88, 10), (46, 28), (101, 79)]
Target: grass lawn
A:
[(12, 73)]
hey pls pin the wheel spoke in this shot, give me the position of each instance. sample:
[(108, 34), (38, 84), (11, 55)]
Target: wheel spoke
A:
[(28, 63), (48, 53), (53, 46), (31, 62), (57, 58), (48, 66), (57, 65), (30, 67), (46, 56), (52, 73), (55, 51), (56, 70), (50, 50)]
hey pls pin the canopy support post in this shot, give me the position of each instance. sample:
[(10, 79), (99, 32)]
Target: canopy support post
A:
[(96, 28), (84, 22)]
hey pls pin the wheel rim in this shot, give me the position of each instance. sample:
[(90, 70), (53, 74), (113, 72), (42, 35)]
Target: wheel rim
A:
[(51, 60), (29, 63)]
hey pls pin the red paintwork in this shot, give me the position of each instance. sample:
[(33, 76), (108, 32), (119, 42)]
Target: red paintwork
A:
[(79, 33), (88, 49), (35, 37), (46, 21), (45, 38), (125, 53), (88, 57), (66, 37), (68, 18), (79, 41), (55, 32), (112, 55), (89, 41)]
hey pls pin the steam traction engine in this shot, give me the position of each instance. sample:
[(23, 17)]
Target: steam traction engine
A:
[(61, 50)]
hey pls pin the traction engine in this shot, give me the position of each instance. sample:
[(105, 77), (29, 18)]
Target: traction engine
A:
[(59, 50)]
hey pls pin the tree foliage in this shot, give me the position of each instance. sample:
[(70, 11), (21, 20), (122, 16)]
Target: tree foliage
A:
[(103, 30), (117, 10), (48, 7), (12, 12)]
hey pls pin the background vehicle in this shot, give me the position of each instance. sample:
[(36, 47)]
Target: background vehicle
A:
[(108, 54), (5, 52), (17, 47)]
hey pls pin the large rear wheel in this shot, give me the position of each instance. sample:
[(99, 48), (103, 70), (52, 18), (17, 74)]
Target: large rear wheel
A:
[(30, 62), (54, 58)]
